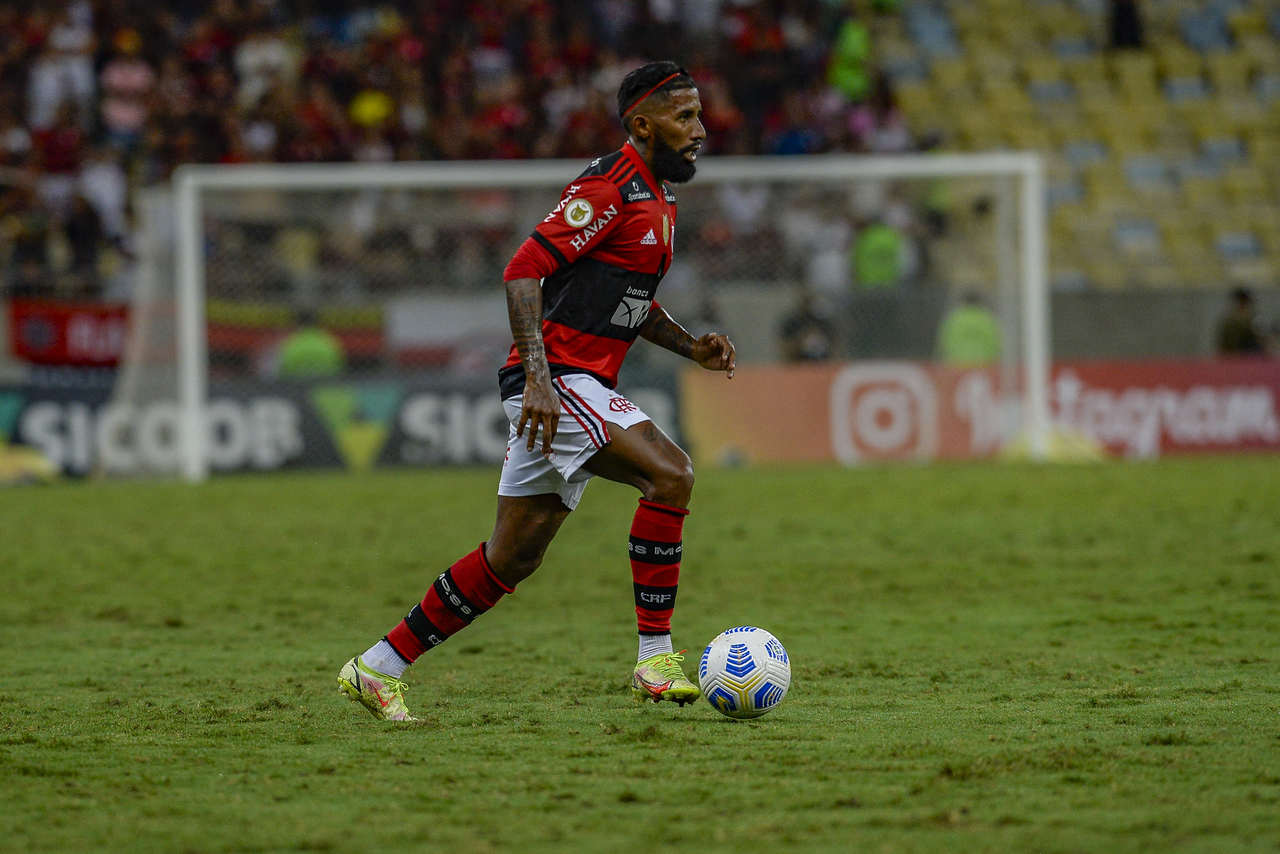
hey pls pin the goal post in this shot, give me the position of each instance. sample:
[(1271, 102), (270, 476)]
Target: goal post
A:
[(448, 191)]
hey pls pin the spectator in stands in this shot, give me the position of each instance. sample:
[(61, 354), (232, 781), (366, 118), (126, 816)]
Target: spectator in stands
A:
[(877, 125), (25, 225), (84, 233), (309, 351), (849, 69), (969, 333), (1124, 25), (877, 255), (805, 333), (796, 132), (104, 185), (1239, 332), (58, 151), (126, 83), (63, 72)]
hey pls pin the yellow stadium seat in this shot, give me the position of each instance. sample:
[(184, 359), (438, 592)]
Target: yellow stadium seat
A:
[(1124, 140), (1261, 51), (914, 96), (1044, 68), (1228, 72), (1270, 239), (1028, 136), (951, 74), (1174, 59), (1247, 22), (989, 57), (1246, 184), (1085, 67), (1202, 192), (1134, 72), (1242, 114)]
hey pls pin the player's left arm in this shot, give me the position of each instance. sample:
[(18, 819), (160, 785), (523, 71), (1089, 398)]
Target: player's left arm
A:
[(714, 351)]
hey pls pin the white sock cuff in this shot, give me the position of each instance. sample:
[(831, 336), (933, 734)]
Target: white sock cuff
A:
[(651, 645)]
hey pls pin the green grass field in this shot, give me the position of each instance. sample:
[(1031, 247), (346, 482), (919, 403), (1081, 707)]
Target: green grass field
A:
[(985, 659)]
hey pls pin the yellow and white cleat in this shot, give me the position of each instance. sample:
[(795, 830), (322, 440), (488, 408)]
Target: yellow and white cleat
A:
[(660, 677), (381, 694)]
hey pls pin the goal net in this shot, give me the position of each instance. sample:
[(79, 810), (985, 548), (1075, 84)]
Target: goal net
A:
[(352, 315)]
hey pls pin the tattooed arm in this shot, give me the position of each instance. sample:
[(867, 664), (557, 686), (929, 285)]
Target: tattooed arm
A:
[(539, 405), (714, 351)]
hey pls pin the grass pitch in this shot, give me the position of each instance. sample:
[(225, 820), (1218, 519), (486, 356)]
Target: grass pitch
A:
[(985, 659)]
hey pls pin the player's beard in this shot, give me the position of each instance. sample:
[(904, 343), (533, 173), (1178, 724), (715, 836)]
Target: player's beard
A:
[(669, 164)]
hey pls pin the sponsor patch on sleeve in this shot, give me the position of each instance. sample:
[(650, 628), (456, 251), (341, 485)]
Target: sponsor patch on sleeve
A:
[(578, 213)]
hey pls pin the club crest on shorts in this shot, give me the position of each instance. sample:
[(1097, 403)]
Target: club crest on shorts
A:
[(578, 213), (618, 403)]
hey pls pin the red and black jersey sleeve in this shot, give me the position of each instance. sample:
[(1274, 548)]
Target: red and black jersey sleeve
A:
[(589, 209)]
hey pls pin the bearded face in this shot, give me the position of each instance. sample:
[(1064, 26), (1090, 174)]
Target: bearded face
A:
[(669, 164)]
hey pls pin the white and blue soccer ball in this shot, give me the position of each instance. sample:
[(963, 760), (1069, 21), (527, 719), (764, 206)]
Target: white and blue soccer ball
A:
[(744, 672)]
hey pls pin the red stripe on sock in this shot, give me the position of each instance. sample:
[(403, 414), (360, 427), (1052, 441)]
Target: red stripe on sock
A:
[(476, 580), (655, 521), (440, 615), (665, 508), (405, 642), (654, 622)]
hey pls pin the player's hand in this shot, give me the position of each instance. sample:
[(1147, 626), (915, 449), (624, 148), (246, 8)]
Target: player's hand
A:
[(539, 408), (714, 351)]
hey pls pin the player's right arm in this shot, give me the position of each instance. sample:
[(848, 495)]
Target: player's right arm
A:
[(539, 406), (588, 210)]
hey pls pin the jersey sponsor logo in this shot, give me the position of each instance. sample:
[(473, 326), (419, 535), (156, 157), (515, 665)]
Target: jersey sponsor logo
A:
[(631, 312), (649, 239), (578, 213), (637, 292), (579, 241), (621, 404), (636, 193), (669, 196)]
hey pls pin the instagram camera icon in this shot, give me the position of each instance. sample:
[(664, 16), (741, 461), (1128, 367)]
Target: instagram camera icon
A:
[(883, 411)]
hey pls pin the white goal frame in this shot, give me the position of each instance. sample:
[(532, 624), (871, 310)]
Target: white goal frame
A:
[(1022, 187)]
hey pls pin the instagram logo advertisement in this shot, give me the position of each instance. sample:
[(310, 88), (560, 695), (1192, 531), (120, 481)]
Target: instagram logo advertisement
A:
[(862, 412), (883, 411)]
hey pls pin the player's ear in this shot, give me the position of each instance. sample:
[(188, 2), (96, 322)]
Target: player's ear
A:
[(641, 127)]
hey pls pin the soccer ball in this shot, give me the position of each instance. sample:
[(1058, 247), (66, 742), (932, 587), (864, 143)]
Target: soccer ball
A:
[(744, 672)]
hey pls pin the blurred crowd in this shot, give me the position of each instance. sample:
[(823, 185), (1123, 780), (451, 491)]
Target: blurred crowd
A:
[(98, 97)]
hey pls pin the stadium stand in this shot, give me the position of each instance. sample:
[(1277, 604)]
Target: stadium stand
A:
[(1164, 161)]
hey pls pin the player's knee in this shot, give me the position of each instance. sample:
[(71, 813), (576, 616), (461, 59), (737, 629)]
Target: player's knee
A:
[(514, 565), (673, 483)]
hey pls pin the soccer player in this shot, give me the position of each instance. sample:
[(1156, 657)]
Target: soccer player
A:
[(579, 292)]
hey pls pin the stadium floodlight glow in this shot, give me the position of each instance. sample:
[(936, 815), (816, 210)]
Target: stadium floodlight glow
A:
[(1021, 251)]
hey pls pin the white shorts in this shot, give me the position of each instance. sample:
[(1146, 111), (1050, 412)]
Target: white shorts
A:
[(587, 409)]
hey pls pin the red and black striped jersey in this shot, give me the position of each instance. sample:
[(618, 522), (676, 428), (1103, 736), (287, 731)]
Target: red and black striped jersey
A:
[(600, 253)]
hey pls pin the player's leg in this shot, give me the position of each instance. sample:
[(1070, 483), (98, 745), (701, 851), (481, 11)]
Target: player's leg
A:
[(524, 528), (645, 457)]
